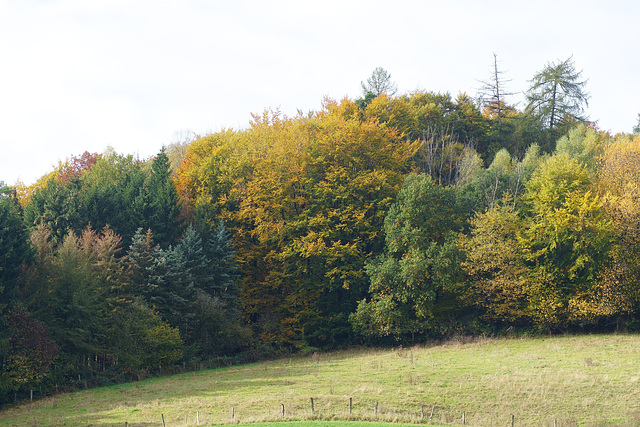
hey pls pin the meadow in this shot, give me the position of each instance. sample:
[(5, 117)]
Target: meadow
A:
[(591, 380)]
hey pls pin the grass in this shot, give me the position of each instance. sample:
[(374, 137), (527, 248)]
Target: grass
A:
[(319, 423), (585, 380)]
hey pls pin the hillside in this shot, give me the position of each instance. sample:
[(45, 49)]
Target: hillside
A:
[(583, 380)]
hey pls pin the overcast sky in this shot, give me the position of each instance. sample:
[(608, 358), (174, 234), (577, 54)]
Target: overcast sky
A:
[(83, 75)]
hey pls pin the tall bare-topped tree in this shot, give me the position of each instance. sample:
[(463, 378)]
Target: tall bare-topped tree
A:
[(557, 93), (492, 94)]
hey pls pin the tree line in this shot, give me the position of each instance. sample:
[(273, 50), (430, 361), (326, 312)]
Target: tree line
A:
[(386, 219), (103, 281)]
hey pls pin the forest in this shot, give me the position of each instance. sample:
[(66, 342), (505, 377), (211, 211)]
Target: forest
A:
[(384, 220)]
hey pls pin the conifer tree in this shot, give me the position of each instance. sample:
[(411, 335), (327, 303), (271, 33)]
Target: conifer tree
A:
[(163, 206), (196, 260), (139, 259), (14, 245), (222, 265), (558, 92)]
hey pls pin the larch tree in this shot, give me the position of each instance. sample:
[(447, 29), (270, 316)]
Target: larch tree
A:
[(493, 94), (558, 93), (379, 82), (636, 128)]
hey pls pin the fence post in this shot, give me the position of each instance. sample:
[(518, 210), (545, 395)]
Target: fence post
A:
[(197, 417), (233, 412), (350, 404), (513, 420), (376, 411), (312, 408), (283, 409), (163, 424), (464, 418)]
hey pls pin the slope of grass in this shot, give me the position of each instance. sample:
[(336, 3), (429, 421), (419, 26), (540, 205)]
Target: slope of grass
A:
[(320, 423), (585, 380)]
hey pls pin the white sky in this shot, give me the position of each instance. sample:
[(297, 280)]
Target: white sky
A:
[(80, 75)]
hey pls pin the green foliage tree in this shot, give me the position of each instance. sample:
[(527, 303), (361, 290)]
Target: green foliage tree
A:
[(557, 95), (56, 205), (222, 266), (412, 283), (583, 143), (114, 193), (171, 288), (216, 322), (505, 177), (164, 208), (141, 341), (379, 82), (566, 242), (636, 128), (139, 260), (15, 249)]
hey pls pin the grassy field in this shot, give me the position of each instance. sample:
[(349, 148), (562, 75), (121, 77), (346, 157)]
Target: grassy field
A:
[(588, 380), (320, 423)]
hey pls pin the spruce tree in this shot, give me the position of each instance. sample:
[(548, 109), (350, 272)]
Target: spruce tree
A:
[(196, 260), (170, 288), (163, 202), (222, 264), (14, 245), (139, 260)]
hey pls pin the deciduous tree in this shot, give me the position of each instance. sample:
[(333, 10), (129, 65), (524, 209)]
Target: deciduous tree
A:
[(557, 95), (412, 282), (379, 82)]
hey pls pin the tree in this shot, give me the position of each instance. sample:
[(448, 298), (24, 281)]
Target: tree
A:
[(557, 94), (412, 282), (583, 143), (492, 96), (636, 128), (141, 340), (379, 82), (30, 351), (56, 205), (566, 242), (496, 282), (114, 193), (221, 265), (619, 186), (14, 245), (163, 202), (170, 288)]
